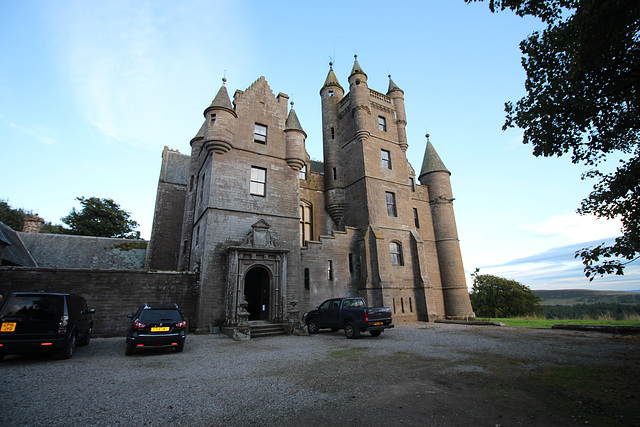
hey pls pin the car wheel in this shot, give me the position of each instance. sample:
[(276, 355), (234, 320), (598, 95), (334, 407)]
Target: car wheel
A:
[(375, 333), (179, 348), (312, 327), (129, 350), (350, 331), (67, 351), (86, 339)]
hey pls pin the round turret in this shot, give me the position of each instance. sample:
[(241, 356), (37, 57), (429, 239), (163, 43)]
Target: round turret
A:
[(359, 94), (219, 122), (294, 138), (397, 97)]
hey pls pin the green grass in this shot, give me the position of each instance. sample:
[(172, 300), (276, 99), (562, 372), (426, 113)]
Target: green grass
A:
[(547, 323)]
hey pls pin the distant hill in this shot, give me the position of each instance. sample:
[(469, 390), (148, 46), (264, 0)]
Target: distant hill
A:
[(586, 296)]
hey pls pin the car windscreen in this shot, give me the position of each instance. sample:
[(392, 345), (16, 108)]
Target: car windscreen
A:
[(160, 315), (34, 307)]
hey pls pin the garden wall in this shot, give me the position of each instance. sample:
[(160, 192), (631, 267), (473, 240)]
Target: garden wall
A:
[(113, 293)]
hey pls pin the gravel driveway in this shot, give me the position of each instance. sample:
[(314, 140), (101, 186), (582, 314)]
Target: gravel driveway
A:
[(416, 374)]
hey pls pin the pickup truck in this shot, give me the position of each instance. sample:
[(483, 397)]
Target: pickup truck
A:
[(350, 314)]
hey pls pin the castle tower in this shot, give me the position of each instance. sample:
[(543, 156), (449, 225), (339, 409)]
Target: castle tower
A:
[(331, 94), (436, 177)]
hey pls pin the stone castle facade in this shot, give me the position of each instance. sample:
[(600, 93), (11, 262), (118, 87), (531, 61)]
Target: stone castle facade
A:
[(273, 233)]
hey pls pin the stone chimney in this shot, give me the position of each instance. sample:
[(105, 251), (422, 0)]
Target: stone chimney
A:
[(32, 224)]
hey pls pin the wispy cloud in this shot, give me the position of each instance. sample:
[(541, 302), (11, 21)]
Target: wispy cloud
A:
[(130, 63), (40, 133), (557, 268)]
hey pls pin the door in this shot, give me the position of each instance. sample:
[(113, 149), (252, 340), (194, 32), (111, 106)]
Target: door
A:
[(256, 293)]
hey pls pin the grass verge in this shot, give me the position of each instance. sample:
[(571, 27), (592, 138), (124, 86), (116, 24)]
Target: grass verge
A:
[(547, 323)]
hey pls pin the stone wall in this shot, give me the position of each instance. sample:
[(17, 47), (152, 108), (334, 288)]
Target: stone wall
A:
[(113, 294)]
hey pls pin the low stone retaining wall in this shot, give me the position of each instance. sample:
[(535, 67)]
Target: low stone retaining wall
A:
[(113, 293)]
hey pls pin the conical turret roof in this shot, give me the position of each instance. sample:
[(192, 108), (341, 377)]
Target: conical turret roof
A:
[(392, 86), (222, 99), (292, 122), (431, 161), (332, 80), (357, 69)]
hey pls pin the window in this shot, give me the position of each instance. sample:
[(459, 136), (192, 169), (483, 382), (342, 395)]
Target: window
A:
[(391, 204), (303, 172), (330, 93), (416, 220), (202, 188), (335, 174), (382, 124), (306, 222), (260, 134), (395, 250), (330, 270), (307, 280), (213, 118), (258, 181), (351, 263), (333, 133), (386, 159), (412, 182)]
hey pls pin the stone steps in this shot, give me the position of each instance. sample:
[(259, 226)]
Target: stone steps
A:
[(263, 329)]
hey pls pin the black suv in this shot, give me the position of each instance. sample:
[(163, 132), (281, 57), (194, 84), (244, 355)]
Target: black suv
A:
[(44, 322), (156, 326)]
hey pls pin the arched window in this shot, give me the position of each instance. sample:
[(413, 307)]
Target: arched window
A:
[(395, 249), (306, 222)]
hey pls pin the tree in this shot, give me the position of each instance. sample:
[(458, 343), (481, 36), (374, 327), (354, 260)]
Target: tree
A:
[(583, 98), (101, 218), (12, 217), (494, 296)]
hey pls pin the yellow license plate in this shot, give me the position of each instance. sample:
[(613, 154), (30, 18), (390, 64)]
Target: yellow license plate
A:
[(8, 327), (377, 323), (160, 329)]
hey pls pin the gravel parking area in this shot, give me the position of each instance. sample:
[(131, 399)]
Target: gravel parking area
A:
[(416, 374)]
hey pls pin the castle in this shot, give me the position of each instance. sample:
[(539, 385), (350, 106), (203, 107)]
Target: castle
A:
[(273, 233)]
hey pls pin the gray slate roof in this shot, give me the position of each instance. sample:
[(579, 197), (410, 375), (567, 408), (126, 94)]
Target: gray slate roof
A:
[(66, 251), (12, 249)]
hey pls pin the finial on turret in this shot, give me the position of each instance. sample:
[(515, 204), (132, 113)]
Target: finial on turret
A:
[(224, 80), (331, 65), (291, 104)]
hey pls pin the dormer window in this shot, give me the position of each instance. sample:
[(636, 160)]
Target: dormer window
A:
[(260, 134)]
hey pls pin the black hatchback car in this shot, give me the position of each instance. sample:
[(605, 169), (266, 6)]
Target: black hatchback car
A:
[(44, 322), (156, 326)]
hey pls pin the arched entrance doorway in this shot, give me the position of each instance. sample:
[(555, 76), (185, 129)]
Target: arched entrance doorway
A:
[(256, 293)]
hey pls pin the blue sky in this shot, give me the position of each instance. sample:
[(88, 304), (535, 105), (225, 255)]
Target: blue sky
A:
[(91, 92)]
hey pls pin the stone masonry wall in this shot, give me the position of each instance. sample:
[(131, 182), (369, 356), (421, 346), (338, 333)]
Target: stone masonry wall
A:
[(113, 294)]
